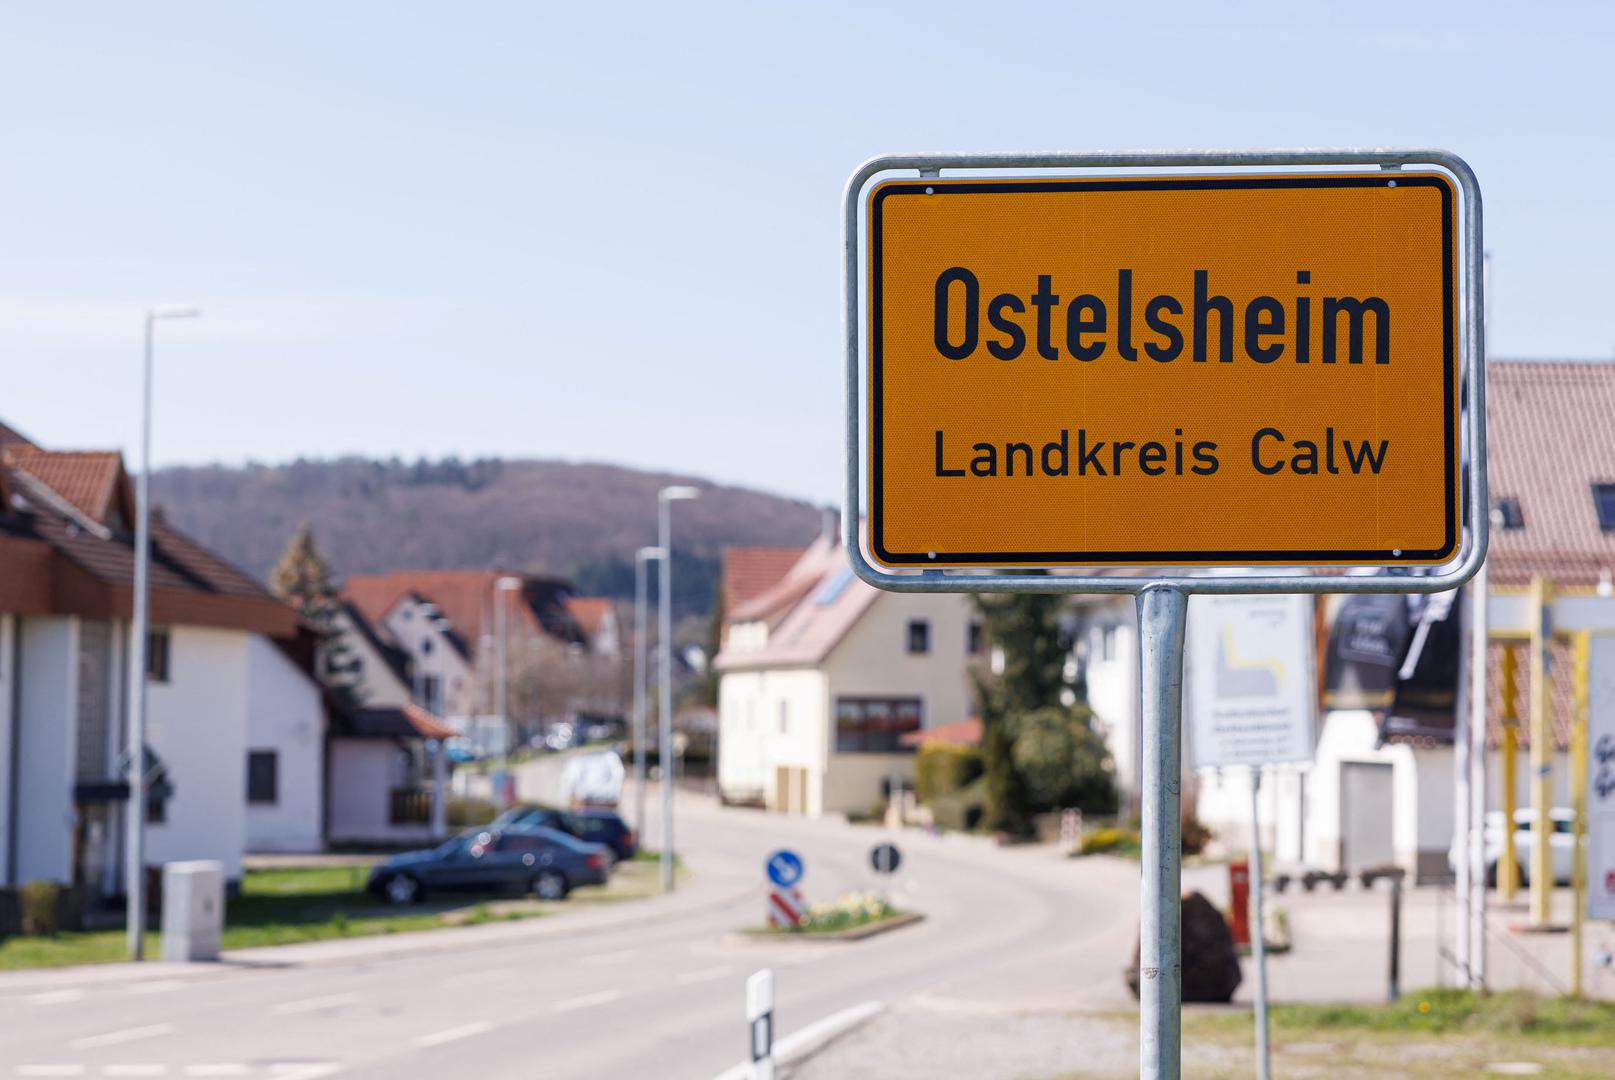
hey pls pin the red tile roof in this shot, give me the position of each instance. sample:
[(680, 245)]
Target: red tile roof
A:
[(748, 572), (10, 436), (966, 732), (589, 612), (1550, 437), (88, 479)]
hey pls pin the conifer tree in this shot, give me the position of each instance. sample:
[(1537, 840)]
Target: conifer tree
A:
[(302, 578)]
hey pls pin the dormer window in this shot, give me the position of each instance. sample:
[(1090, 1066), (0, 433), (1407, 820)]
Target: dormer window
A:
[(1604, 503), (1507, 513)]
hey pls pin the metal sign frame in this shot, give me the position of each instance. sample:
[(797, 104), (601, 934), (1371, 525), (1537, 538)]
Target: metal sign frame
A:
[(1134, 580), (1163, 599)]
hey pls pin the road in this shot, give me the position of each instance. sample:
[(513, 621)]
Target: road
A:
[(654, 989)]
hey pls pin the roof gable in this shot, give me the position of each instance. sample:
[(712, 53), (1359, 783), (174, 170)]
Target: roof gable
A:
[(1550, 438)]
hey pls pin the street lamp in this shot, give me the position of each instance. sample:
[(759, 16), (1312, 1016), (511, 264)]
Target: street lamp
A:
[(665, 500), (135, 820), (641, 633), (504, 587)]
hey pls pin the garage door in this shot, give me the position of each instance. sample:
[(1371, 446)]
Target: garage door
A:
[(1366, 800)]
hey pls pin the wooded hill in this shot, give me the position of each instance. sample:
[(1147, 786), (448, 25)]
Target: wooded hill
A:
[(582, 521)]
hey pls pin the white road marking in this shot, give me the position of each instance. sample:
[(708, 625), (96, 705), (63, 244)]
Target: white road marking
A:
[(157, 986), (587, 1001), (485, 975), (464, 1031), (303, 1070), (618, 957), (113, 1038), (134, 1070), (315, 1004), (703, 975), (220, 1068), (50, 1070), (54, 997)]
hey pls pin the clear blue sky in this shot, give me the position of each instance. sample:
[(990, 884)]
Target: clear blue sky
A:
[(610, 232)]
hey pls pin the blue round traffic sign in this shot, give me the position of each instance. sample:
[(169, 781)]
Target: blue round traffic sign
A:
[(784, 868)]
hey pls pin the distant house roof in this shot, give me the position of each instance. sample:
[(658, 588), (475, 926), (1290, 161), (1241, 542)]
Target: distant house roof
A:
[(589, 612), (966, 732), (93, 481), (1550, 438), (467, 599), (11, 437), (774, 602), (396, 659), (808, 612), (67, 552), (749, 572)]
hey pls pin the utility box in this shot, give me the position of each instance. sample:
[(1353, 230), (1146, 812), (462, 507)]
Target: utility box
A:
[(193, 910)]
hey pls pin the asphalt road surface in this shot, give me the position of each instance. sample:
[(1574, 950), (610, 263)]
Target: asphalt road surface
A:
[(646, 989)]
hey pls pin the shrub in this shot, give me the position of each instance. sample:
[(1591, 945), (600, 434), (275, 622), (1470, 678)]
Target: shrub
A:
[(41, 908), (1063, 762), (962, 810), (943, 770), (464, 813), (1193, 833), (1111, 840)]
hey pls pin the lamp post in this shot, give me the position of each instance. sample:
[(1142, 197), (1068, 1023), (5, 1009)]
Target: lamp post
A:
[(135, 819), (641, 648), (665, 500), (503, 588)]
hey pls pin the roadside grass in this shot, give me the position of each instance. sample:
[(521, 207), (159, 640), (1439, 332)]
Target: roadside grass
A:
[(286, 906), (1431, 1034), (1514, 1015)]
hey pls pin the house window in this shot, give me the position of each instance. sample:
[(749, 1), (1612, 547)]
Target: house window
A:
[(1107, 643), (263, 776), (975, 638), (157, 656), (874, 725), (430, 685), (1604, 503), (919, 636), (156, 811), (1508, 514), (784, 717)]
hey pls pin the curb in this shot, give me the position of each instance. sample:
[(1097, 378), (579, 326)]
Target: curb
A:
[(805, 1042), (857, 933)]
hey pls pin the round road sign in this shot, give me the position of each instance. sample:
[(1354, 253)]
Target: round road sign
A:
[(784, 868), (885, 858)]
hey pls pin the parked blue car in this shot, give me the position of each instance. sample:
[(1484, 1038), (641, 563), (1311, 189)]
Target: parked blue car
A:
[(545, 862), (597, 826)]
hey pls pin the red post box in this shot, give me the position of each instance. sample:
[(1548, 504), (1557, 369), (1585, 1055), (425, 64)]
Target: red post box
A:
[(1239, 890)]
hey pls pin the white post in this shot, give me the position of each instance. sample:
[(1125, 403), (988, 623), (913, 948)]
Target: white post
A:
[(664, 744), (760, 1018), (1258, 939), (135, 817)]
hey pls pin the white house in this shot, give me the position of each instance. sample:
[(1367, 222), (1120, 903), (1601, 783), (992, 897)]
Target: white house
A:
[(223, 700), (822, 676)]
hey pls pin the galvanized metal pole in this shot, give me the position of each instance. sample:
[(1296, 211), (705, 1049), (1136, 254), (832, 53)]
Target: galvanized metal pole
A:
[(1581, 654), (1258, 940), (135, 816), (1541, 873), (1162, 615), (1462, 777), (1478, 674)]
